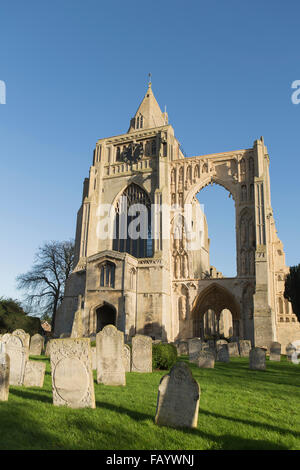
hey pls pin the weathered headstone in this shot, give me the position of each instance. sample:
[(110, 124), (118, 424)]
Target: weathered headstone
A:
[(178, 398), (17, 355), (182, 348), (72, 375), (36, 345), (47, 348), (233, 349), (110, 368), (25, 337), (195, 346), (141, 354), (4, 373), (77, 327), (127, 358), (206, 360), (245, 347), (222, 353), (290, 350), (34, 374), (275, 351), (257, 359), (220, 343)]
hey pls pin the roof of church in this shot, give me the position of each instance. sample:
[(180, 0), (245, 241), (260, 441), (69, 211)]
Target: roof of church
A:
[(149, 114)]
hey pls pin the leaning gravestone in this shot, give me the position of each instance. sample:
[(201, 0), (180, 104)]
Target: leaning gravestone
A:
[(72, 375), (233, 349), (4, 373), (257, 359), (110, 368), (195, 346), (127, 358), (275, 351), (36, 345), (34, 374), (47, 348), (222, 353), (17, 355), (141, 358), (245, 347), (206, 360), (178, 398)]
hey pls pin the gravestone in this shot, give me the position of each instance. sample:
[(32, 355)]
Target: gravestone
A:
[(4, 373), (182, 348), (127, 358), (94, 357), (222, 353), (25, 337), (77, 327), (195, 346), (141, 358), (110, 368), (206, 360), (257, 359), (290, 350), (18, 357), (47, 348), (220, 343), (233, 349), (245, 347), (36, 345), (178, 398), (71, 371), (34, 374), (275, 351)]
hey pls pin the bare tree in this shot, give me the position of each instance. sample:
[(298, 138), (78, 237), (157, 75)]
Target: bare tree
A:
[(45, 282)]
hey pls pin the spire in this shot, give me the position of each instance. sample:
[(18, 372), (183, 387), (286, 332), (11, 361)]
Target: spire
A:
[(149, 114)]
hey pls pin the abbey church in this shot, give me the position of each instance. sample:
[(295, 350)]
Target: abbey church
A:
[(161, 283)]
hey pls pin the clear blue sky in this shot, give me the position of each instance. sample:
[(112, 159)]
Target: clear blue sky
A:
[(76, 71)]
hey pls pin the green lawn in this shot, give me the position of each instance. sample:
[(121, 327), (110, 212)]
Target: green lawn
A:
[(239, 409)]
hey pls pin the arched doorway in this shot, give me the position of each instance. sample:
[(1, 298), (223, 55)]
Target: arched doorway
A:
[(106, 315), (213, 305)]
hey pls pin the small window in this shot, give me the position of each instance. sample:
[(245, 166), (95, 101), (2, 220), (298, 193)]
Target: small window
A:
[(107, 275)]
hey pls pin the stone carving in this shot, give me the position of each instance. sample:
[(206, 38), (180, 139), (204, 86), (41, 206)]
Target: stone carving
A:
[(257, 359), (233, 349), (178, 398), (245, 347), (206, 360), (141, 354), (275, 351), (195, 346), (4, 373), (34, 374), (72, 376), (127, 358), (36, 345), (25, 337), (222, 353), (110, 368), (18, 355)]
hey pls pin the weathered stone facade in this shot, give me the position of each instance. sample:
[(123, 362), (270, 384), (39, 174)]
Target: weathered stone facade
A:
[(164, 288)]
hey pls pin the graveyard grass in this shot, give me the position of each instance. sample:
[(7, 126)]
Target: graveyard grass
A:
[(239, 409)]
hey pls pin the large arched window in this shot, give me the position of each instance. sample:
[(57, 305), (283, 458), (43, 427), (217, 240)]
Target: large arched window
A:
[(132, 227)]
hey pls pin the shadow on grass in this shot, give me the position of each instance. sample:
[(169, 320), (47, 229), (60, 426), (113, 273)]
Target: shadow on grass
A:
[(135, 415), (31, 394)]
